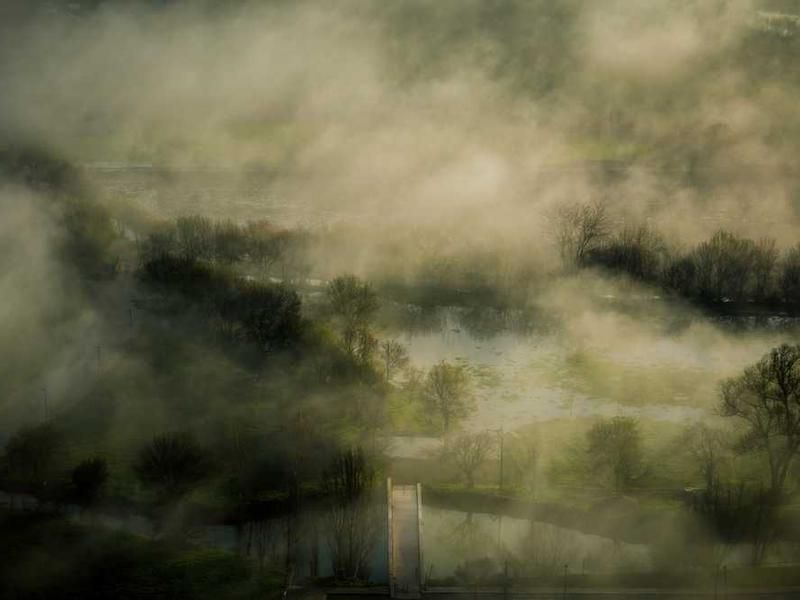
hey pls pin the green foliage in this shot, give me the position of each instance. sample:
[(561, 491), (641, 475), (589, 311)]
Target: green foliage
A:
[(447, 393), (269, 316), (47, 557), (614, 452), (353, 304), (266, 315)]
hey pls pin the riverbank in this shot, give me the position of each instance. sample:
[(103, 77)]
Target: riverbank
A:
[(47, 556), (640, 518)]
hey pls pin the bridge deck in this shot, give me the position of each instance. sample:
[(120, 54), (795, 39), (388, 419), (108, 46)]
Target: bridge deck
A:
[(405, 542)]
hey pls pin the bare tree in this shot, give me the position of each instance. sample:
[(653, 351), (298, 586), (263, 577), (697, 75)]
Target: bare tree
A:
[(546, 549), (767, 397), (446, 391), (735, 513), (638, 251), (172, 464), (468, 451), (790, 275), (352, 524), (707, 448), (161, 242), (765, 261), (580, 228), (229, 242), (394, 356), (195, 237), (724, 266)]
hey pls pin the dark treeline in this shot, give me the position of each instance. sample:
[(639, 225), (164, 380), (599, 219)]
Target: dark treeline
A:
[(266, 315), (426, 267), (270, 248), (214, 399), (724, 268), (219, 397)]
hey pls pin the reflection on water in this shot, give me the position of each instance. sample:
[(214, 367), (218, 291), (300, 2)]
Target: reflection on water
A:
[(350, 544), (458, 547), (479, 323), (453, 541), (313, 543)]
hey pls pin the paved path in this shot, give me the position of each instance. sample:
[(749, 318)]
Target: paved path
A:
[(405, 542)]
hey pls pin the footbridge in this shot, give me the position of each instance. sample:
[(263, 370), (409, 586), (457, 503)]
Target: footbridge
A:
[(405, 540)]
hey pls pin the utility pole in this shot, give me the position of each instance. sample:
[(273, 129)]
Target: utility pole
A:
[(505, 580), (502, 456), (44, 404), (502, 453), (725, 581)]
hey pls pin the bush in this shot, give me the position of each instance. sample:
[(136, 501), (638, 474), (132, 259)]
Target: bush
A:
[(171, 464), (636, 251), (267, 315)]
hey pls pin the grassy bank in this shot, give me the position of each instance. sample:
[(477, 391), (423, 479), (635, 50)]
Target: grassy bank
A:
[(48, 557)]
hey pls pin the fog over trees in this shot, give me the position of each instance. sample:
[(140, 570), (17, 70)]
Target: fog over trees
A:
[(452, 295)]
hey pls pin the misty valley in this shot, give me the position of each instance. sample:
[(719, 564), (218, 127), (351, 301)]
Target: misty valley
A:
[(448, 298)]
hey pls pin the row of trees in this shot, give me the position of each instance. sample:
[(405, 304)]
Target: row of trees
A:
[(764, 401), (725, 267), (197, 238), (33, 463), (734, 504), (266, 315), (444, 388), (172, 465)]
